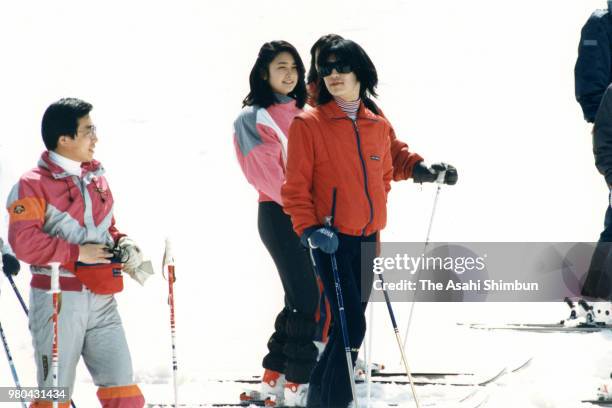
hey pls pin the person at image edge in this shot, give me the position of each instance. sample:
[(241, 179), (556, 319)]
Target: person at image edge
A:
[(62, 211)]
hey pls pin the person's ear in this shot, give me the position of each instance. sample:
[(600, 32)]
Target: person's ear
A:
[(63, 140)]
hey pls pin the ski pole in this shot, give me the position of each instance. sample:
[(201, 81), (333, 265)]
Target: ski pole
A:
[(343, 325), (439, 181), (169, 263), (347, 345), (25, 309), (329, 222), (11, 364), (369, 349), (56, 293), (399, 341), (12, 282), (9, 357)]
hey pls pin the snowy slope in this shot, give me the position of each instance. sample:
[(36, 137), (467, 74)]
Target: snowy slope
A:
[(485, 86)]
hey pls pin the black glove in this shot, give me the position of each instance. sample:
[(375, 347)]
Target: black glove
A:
[(423, 174), (10, 265), (324, 238)]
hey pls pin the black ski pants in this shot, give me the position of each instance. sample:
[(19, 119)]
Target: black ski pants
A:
[(291, 347), (331, 373), (598, 283)]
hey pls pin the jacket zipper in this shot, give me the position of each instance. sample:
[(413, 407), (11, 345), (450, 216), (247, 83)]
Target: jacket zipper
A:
[(365, 174)]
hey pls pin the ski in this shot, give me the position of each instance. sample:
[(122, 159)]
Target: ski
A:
[(483, 386), (379, 374), (229, 404), (388, 378), (540, 328), (385, 374), (481, 383), (598, 402), (401, 381), (468, 401), (256, 403)]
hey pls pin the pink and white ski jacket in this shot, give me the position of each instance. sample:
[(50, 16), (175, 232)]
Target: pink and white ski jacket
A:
[(52, 213), (260, 139)]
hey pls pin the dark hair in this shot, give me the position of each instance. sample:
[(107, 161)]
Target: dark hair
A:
[(62, 119), (261, 93), (350, 52), (313, 73)]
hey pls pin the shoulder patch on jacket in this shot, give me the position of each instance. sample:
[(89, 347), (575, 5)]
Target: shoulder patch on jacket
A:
[(590, 43), (27, 209)]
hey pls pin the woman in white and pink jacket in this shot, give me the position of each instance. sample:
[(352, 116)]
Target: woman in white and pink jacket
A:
[(278, 94)]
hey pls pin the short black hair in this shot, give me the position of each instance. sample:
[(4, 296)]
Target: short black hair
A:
[(261, 93), (351, 53), (62, 119), (313, 73)]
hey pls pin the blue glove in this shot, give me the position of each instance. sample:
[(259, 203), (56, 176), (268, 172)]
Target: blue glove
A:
[(10, 265), (324, 238)]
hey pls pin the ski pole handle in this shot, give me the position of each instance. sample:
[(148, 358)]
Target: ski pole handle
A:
[(168, 253), (329, 220), (55, 286), (168, 261)]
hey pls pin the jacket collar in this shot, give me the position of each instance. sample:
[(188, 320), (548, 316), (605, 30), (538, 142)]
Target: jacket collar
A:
[(89, 169), (283, 99), (333, 111)]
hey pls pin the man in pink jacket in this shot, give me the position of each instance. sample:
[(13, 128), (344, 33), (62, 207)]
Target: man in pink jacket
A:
[(62, 212)]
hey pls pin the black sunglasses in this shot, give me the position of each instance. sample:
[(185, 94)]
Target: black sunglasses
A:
[(341, 67)]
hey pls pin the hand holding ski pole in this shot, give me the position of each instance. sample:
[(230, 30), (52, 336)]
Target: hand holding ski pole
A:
[(441, 173), (10, 265), (325, 238)]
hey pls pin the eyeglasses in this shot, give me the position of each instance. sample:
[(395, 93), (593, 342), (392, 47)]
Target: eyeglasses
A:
[(91, 131), (326, 68)]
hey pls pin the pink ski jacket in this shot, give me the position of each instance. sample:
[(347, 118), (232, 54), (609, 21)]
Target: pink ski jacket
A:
[(52, 212), (260, 139)]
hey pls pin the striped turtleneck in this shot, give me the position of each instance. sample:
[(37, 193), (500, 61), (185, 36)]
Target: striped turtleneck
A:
[(350, 108)]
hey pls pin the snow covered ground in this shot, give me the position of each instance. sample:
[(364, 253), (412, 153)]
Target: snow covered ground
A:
[(486, 86)]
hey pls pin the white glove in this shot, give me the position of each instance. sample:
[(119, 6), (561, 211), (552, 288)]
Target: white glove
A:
[(132, 254), (142, 273), (134, 265)]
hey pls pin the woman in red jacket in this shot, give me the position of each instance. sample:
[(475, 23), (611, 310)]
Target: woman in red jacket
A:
[(406, 164), (277, 95), (339, 164)]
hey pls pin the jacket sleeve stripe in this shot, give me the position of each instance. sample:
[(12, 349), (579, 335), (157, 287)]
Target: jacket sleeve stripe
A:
[(264, 118), (27, 209)]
